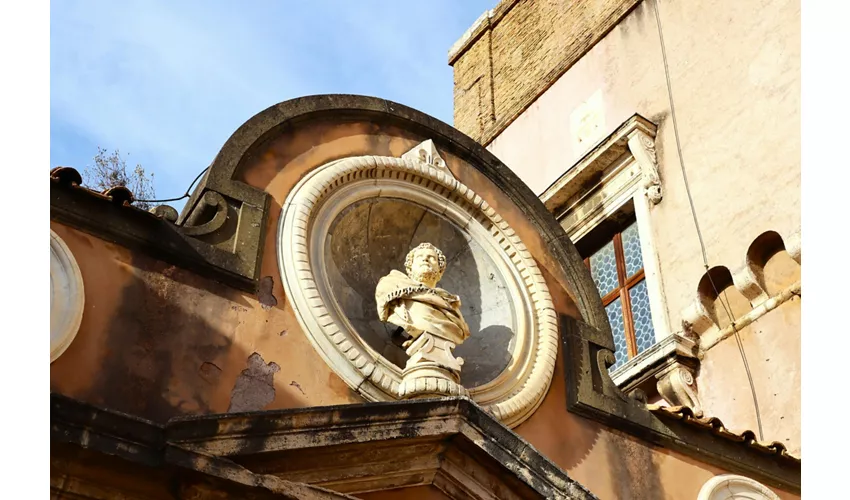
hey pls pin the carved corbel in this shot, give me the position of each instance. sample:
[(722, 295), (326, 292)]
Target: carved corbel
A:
[(167, 212), (677, 387), (749, 284), (642, 148), (230, 229)]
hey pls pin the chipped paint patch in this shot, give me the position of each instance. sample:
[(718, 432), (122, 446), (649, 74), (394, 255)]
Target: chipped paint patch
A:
[(264, 293), (254, 388)]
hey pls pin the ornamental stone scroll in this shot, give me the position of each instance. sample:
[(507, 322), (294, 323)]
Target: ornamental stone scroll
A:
[(328, 191)]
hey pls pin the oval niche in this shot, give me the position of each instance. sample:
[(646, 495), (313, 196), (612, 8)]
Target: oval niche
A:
[(371, 237)]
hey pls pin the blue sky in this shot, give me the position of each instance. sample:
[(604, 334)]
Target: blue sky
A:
[(168, 82)]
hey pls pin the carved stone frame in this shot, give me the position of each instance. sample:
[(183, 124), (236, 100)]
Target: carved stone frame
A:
[(306, 218)]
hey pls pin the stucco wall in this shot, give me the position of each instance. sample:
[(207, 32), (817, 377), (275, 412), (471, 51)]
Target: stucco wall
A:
[(157, 341)]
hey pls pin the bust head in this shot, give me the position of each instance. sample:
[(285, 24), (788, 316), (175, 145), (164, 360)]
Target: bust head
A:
[(425, 264)]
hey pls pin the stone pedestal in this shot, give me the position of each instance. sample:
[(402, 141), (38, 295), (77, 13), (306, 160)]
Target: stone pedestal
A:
[(432, 369)]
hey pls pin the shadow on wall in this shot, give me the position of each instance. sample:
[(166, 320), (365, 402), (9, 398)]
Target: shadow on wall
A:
[(373, 237), (632, 468), (170, 350), (720, 298)]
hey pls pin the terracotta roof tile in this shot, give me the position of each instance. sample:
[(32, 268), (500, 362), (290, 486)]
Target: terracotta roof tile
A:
[(716, 427), (69, 177), (120, 195), (66, 176)]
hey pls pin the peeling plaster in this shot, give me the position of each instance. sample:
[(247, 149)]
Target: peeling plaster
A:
[(254, 388), (265, 295)]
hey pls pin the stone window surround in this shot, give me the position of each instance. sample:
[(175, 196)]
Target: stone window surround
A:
[(618, 169), (623, 168)]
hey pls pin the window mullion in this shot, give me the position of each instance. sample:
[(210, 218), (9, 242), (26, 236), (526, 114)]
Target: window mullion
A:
[(635, 279), (628, 322)]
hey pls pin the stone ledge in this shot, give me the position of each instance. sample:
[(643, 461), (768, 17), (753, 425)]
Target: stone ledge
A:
[(363, 447), (674, 349)]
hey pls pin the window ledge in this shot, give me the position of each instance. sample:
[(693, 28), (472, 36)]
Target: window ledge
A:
[(671, 362)]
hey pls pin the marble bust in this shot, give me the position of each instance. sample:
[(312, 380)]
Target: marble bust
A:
[(430, 315)]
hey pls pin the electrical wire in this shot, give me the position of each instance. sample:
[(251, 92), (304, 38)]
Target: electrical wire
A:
[(725, 305), (185, 195)]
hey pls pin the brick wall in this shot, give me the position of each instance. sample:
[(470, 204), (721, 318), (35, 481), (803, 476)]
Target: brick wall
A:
[(517, 51)]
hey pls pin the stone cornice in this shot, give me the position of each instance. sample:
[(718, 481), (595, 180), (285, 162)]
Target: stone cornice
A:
[(237, 446), (488, 20), (609, 153)]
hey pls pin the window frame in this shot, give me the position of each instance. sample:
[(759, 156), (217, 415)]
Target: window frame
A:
[(624, 283)]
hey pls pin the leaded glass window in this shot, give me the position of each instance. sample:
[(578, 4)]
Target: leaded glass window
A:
[(617, 270)]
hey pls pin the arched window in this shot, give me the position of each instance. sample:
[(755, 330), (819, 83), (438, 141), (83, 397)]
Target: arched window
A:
[(732, 487)]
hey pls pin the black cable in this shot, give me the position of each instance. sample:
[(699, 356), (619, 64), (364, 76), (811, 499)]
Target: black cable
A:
[(726, 307), (185, 195)]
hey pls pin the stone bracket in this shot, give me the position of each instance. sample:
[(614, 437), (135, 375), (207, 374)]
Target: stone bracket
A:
[(671, 362), (792, 246), (642, 147), (697, 320), (220, 237), (749, 284), (677, 385)]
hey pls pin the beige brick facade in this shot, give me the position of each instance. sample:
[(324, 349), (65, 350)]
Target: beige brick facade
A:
[(516, 51)]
